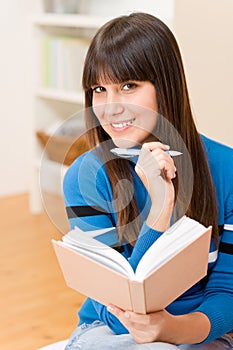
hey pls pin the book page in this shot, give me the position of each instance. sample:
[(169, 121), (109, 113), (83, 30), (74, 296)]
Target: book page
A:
[(176, 238), (84, 243), (99, 258)]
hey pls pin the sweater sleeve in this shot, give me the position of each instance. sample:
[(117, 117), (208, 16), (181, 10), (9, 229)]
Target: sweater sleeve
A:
[(87, 195), (217, 302), (218, 299)]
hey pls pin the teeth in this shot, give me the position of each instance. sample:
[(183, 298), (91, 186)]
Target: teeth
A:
[(123, 124)]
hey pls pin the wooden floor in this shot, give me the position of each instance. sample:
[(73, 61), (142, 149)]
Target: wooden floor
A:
[(36, 307)]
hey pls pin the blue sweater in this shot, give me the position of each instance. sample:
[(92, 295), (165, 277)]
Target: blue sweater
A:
[(89, 202)]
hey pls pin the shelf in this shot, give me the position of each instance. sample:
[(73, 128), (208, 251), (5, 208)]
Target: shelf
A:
[(51, 175), (52, 102), (69, 20), (60, 95), (51, 163)]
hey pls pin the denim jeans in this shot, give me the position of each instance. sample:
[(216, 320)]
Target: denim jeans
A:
[(97, 336)]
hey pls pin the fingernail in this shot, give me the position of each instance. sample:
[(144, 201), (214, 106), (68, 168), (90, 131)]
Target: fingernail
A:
[(110, 308), (126, 314)]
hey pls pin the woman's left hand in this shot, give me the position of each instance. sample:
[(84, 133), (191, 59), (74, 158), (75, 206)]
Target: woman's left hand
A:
[(144, 328), (161, 326)]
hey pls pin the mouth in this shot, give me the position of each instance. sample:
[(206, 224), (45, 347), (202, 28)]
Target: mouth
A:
[(122, 125)]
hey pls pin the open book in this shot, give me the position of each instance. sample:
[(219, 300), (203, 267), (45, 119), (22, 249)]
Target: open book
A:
[(175, 261)]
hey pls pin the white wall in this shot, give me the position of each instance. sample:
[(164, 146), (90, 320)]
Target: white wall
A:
[(161, 8), (204, 29), (15, 117)]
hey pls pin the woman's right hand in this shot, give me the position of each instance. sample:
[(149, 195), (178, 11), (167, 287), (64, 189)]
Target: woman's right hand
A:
[(156, 169)]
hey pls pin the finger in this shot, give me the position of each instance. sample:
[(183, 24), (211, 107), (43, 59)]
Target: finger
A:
[(129, 316), (126, 317), (121, 315), (167, 165), (150, 146), (116, 311), (151, 168), (157, 153), (159, 160), (164, 160)]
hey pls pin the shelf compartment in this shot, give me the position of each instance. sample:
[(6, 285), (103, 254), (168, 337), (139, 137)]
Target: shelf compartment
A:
[(60, 95), (70, 20)]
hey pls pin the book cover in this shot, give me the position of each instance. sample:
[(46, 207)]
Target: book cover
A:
[(175, 262)]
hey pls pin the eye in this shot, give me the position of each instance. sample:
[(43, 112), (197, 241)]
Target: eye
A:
[(98, 89), (129, 86)]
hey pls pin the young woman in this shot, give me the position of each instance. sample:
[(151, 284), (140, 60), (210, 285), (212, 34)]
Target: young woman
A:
[(136, 96)]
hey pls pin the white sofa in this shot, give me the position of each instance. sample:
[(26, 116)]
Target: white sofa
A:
[(60, 345)]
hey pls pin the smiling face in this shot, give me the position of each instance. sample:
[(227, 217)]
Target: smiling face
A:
[(126, 111)]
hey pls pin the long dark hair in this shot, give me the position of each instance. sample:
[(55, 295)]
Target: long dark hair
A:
[(140, 47)]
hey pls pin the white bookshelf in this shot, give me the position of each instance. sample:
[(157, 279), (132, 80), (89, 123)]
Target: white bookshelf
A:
[(53, 105)]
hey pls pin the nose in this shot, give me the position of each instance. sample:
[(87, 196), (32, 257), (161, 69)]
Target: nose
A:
[(114, 103), (113, 108)]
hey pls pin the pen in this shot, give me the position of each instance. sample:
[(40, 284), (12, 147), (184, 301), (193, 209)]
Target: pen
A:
[(132, 152)]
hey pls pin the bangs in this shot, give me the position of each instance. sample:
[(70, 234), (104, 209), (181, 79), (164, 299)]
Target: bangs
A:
[(113, 68), (118, 56)]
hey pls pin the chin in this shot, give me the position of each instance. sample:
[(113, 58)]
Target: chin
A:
[(125, 143)]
